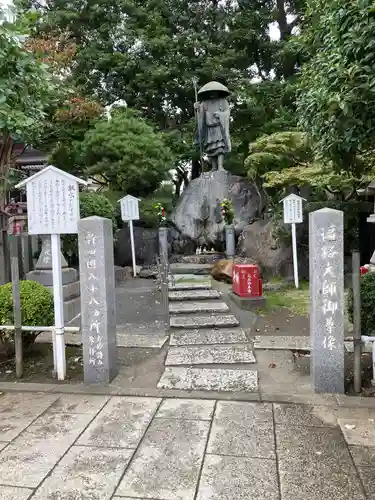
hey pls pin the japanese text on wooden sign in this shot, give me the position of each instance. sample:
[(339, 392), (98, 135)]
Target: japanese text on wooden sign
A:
[(129, 208), (96, 339), (293, 210), (329, 289), (52, 204)]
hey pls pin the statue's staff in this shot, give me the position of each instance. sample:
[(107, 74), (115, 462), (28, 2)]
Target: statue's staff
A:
[(197, 120)]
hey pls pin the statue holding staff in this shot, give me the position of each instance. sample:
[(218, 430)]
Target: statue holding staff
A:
[(213, 117)]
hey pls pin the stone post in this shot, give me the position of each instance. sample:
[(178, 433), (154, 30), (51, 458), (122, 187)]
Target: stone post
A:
[(230, 242), (98, 301), (326, 255), (163, 241)]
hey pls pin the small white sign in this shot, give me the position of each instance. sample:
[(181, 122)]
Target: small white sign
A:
[(293, 212), (52, 202), (129, 208)]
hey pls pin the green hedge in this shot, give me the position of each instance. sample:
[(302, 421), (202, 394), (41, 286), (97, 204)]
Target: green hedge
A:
[(36, 309), (367, 304)]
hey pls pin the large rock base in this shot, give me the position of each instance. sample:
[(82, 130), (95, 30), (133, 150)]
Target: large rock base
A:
[(197, 216), (258, 242)]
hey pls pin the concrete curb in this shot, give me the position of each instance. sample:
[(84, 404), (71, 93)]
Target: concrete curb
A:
[(330, 400)]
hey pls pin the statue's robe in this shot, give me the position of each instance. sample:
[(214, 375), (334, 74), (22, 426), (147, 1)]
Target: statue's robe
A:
[(213, 117)]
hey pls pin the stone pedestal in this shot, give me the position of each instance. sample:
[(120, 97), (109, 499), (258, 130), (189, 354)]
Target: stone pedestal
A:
[(163, 241), (230, 242), (70, 280), (247, 303)]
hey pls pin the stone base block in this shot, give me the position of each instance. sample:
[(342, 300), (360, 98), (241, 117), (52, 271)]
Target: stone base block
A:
[(72, 308), (70, 291), (69, 275), (247, 303)]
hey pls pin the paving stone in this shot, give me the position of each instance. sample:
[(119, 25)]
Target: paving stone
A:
[(123, 339), (85, 473), (287, 342), (305, 415), (10, 493), (183, 268), (219, 379), (203, 321), (2, 446), (319, 481), (191, 307), (242, 429), (207, 336), (31, 456), (78, 403), (18, 410), (145, 341), (121, 423), (207, 355), (205, 285), (196, 294), (319, 443), (234, 478), (282, 342), (358, 432), (367, 475), (305, 454), (167, 464), (363, 456), (188, 278), (186, 409)]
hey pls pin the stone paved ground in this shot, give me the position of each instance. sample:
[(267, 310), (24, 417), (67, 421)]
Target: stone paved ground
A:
[(80, 447)]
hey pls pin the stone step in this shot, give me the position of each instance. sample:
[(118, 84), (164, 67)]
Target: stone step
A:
[(217, 321), (190, 307), (210, 355), (190, 286), (207, 336), (200, 269), (208, 379), (194, 295), (203, 258)]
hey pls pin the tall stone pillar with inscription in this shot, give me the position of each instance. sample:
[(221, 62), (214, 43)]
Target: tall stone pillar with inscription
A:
[(326, 254), (98, 302)]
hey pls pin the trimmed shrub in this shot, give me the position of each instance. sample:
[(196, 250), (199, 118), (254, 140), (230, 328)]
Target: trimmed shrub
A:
[(90, 204), (36, 310), (367, 304)]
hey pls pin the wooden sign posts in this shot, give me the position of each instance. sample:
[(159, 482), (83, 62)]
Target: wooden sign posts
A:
[(53, 208)]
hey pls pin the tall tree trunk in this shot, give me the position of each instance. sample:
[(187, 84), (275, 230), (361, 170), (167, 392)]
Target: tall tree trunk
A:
[(285, 32), (6, 149)]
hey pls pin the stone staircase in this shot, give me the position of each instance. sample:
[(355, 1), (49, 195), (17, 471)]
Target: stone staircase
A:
[(207, 349)]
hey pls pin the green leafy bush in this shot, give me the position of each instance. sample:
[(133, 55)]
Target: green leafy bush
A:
[(367, 304), (227, 211), (149, 214), (36, 308), (90, 204)]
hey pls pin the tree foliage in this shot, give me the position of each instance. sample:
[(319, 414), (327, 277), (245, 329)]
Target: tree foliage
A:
[(285, 159), (27, 88), (127, 153), (337, 86), (147, 52)]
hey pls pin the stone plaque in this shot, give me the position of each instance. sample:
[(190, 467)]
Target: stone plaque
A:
[(98, 301), (326, 253)]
